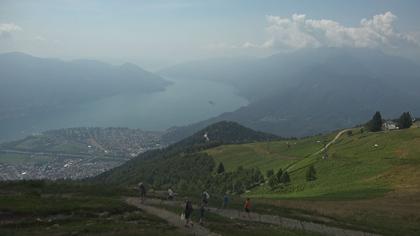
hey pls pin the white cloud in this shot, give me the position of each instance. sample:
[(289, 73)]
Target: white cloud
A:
[(6, 29), (300, 32)]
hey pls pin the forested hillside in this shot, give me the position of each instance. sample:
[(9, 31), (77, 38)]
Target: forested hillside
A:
[(183, 165)]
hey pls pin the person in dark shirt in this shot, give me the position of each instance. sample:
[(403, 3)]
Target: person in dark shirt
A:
[(188, 212), (142, 190)]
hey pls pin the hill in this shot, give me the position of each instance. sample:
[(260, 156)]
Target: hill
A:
[(369, 179), (182, 160), (358, 165), (294, 94)]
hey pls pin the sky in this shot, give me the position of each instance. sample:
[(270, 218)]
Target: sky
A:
[(155, 34)]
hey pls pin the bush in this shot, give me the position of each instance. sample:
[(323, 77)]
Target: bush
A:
[(269, 173), (285, 178), (273, 181), (279, 174), (221, 168)]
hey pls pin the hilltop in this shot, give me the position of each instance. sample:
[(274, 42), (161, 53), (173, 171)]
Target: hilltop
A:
[(182, 160)]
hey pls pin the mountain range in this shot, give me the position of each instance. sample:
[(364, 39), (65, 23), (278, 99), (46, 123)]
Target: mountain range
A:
[(31, 84), (309, 91)]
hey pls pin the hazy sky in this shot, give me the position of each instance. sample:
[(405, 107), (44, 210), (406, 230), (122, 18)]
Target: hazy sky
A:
[(154, 34)]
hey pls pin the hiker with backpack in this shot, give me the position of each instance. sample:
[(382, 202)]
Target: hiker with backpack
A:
[(205, 196), (171, 194)]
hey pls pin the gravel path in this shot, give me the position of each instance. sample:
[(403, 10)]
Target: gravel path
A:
[(273, 219), (170, 217)]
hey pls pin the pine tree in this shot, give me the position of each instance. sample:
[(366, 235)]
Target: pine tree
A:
[(311, 173), (221, 168), (279, 174), (285, 178), (405, 120), (273, 181), (375, 124)]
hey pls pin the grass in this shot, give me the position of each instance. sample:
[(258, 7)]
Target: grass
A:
[(371, 181), (30, 213), (266, 155), (354, 169)]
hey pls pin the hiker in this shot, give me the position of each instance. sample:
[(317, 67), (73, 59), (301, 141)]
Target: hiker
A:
[(205, 196), (247, 207), (171, 194), (202, 210), (188, 212), (225, 201), (142, 190)]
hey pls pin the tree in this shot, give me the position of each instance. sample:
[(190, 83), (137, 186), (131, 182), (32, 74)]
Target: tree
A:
[(221, 168), (270, 173), (279, 174), (311, 173), (273, 181), (375, 124), (405, 120), (285, 178)]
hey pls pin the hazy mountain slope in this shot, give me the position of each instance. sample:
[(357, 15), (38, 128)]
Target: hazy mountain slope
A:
[(29, 83), (318, 90)]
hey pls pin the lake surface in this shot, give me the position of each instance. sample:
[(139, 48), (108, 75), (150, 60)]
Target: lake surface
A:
[(185, 101)]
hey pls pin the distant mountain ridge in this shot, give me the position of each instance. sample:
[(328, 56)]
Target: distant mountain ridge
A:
[(29, 83), (311, 91)]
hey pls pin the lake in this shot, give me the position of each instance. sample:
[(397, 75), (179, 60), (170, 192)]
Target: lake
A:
[(185, 101)]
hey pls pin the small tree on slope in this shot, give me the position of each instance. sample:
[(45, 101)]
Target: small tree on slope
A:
[(311, 173), (375, 124), (221, 168), (285, 178), (405, 120)]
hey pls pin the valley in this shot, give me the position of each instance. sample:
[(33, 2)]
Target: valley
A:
[(73, 153)]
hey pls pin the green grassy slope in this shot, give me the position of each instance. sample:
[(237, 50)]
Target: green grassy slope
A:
[(356, 167), (267, 155)]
